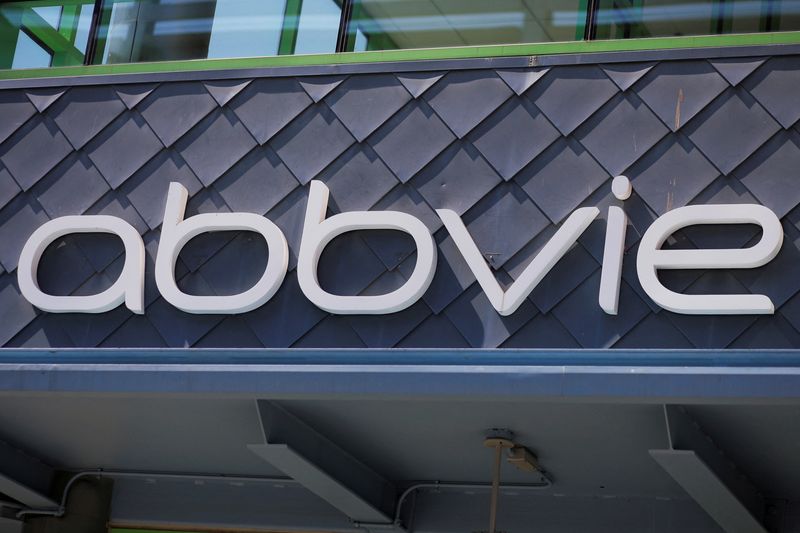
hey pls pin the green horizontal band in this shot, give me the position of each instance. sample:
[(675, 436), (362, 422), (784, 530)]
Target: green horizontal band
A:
[(576, 47)]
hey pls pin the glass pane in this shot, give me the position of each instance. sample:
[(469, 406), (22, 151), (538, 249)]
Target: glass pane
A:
[(42, 34), (390, 24), (243, 28), (622, 19), (156, 30), (28, 54), (50, 14), (318, 27)]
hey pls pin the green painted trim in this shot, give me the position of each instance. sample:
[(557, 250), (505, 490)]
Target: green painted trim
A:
[(291, 22), (578, 47)]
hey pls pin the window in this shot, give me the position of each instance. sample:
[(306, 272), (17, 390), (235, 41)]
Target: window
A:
[(43, 33)]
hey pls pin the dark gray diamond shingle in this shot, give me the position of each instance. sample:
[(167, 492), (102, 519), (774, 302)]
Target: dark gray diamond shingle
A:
[(215, 145), (332, 332), (363, 103), (71, 188), (456, 179), (136, 332), (385, 331), (43, 332), (311, 142), (724, 190), (289, 216), (561, 178), (237, 266), (713, 331), (736, 69), (621, 132), (286, 317), (179, 329), (44, 97), (671, 174), (223, 91), (544, 331), (677, 90), (91, 329), (435, 332), (347, 265), (580, 313), (769, 332), (502, 222), (731, 128), (570, 271), (24, 156), (203, 247), (63, 267), (174, 108), (233, 332), (774, 85), (464, 98), (132, 94), (418, 82), (770, 174), (123, 147), (655, 331), (117, 205), (410, 139), (84, 111), (15, 110), (256, 183), (8, 187), (570, 95), (513, 135), (147, 189), (624, 75), (453, 275), (267, 105), (18, 220), (520, 80), (357, 179), (15, 311), (771, 279), (479, 322), (318, 87), (392, 247)]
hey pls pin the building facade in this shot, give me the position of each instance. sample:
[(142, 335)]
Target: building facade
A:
[(348, 292)]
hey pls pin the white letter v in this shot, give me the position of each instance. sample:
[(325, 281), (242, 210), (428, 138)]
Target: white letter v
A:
[(509, 301)]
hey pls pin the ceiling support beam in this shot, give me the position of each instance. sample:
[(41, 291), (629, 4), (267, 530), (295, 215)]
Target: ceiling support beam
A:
[(708, 476), (320, 465), (25, 478)]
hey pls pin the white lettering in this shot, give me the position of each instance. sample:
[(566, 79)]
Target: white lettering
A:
[(616, 225), (319, 231), (651, 258), (129, 287), (506, 302), (176, 232)]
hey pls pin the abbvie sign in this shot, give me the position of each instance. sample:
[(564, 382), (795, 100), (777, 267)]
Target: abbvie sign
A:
[(318, 231)]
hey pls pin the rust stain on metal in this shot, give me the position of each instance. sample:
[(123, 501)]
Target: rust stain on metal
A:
[(678, 109)]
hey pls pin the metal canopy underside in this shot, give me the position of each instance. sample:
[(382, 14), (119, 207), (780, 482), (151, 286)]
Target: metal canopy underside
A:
[(594, 437)]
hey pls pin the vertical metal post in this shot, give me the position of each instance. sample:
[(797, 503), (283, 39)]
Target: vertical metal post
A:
[(497, 440), (590, 26), (498, 454), (344, 25), (94, 32)]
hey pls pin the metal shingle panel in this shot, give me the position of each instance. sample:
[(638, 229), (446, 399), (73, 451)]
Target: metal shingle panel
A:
[(727, 153)]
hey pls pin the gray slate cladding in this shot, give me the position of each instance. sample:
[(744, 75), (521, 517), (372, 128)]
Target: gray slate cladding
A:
[(513, 151)]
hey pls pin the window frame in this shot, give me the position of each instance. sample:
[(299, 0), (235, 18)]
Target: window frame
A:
[(585, 42)]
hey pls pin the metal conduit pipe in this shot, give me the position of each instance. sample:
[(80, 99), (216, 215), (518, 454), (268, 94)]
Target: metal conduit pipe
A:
[(546, 484), (62, 508)]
